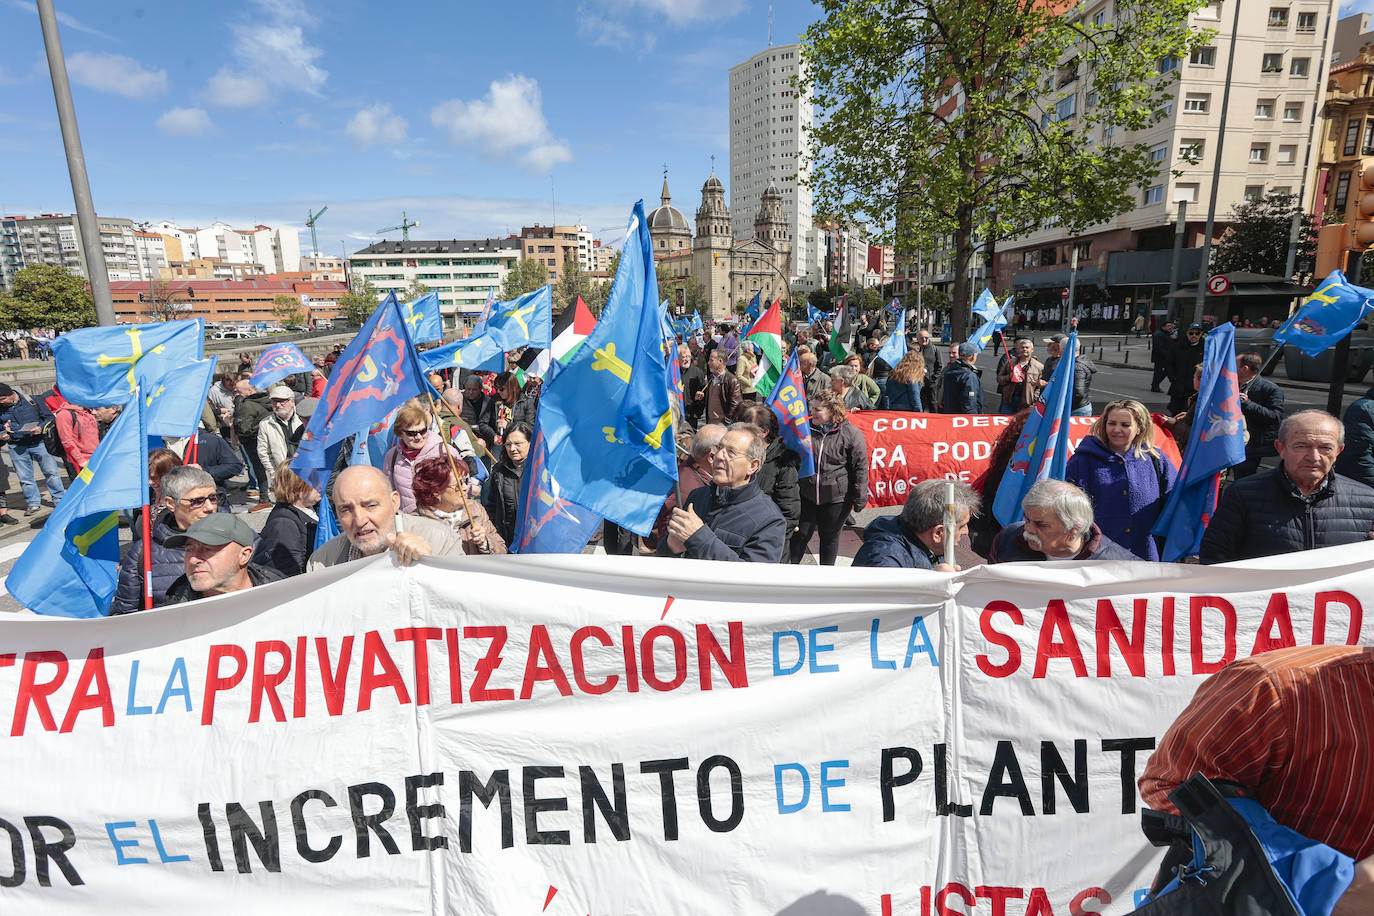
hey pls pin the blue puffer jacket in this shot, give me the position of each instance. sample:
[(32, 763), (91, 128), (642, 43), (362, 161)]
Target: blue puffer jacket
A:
[(1263, 515), (963, 391), (886, 544), (169, 564), (1010, 546), (740, 524), (1125, 492)]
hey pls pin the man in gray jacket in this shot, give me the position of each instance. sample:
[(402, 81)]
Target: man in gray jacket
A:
[(367, 509)]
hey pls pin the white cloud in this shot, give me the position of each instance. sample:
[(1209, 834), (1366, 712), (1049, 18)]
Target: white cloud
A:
[(306, 121), (63, 18), (376, 124), (677, 12), (271, 53), (612, 32), (509, 117), (228, 89), (279, 54), (115, 73), (185, 122)]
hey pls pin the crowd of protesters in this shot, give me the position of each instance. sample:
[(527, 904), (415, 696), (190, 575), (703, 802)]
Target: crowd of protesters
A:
[(452, 468)]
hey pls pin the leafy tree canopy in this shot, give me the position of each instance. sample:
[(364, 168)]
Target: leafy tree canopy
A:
[(995, 116), (525, 277), (1257, 239), (360, 301), (46, 296)]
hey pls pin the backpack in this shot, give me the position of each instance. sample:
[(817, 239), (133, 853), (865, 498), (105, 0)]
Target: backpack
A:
[(51, 440)]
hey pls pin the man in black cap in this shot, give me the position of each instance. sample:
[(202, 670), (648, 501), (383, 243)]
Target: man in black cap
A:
[(219, 549), (1186, 357)]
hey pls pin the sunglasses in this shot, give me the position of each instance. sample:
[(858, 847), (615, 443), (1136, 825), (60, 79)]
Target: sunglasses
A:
[(413, 433), (201, 500)]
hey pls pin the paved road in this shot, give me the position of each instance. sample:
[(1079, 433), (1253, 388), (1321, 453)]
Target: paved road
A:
[(1111, 382)]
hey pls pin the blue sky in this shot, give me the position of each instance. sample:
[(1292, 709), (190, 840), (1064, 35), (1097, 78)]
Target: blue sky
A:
[(468, 115)]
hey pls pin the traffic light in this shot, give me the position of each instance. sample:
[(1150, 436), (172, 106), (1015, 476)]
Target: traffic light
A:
[(1363, 229)]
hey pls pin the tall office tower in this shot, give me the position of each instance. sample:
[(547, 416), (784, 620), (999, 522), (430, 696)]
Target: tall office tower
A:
[(767, 115)]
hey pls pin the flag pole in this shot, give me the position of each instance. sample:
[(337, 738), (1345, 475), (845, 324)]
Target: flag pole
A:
[(147, 523), (448, 453)]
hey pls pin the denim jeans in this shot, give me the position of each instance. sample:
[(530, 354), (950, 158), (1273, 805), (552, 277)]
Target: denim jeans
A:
[(25, 457), (1085, 411)]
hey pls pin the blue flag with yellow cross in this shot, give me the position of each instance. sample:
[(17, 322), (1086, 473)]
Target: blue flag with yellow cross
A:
[(606, 418), (101, 367), (70, 568)]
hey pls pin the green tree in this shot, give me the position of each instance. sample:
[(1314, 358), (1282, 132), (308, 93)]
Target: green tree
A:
[(414, 291), (525, 277), (46, 296), (574, 282), (1017, 151), (1257, 238), (360, 301), (288, 311)]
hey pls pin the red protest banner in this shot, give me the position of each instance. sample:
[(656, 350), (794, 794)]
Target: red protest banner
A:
[(907, 448)]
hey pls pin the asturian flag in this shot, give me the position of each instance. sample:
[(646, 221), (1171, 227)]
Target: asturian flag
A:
[(423, 318), (607, 415), (101, 367), (70, 568)]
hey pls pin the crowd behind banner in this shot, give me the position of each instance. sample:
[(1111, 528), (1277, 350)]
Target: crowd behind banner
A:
[(754, 440)]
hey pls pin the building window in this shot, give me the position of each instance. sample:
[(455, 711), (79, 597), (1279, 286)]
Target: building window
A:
[(1154, 195), (1307, 22), (1100, 18), (1166, 65), (1299, 66), (1210, 10), (1197, 102), (1158, 153), (1049, 257), (1278, 17), (1186, 192), (1066, 108), (1264, 110), (1288, 153), (1292, 111), (1342, 192), (1028, 258), (1254, 193), (1368, 148), (1259, 153), (1352, 137), (1203, 57), (1272, 63)]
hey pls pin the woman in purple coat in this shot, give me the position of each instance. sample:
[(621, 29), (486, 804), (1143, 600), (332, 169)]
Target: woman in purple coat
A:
[(1127, 478)]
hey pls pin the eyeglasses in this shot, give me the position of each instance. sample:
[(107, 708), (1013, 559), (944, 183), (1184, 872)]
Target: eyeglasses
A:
[(202, 500), (413, 433), (730, 454)]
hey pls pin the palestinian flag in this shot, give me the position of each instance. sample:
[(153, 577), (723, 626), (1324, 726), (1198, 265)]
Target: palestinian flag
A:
[(841, 333), (766, 334), (569, 330)]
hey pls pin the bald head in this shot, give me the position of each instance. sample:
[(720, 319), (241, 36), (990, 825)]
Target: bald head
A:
[(243, 388), (366, 506), (453, 398)]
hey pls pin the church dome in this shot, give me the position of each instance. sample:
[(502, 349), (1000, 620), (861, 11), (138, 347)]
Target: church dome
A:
[(667, 218), (712, 184)]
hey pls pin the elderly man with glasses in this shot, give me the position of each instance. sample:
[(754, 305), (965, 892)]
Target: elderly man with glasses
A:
[(188, 494), (730, 518)]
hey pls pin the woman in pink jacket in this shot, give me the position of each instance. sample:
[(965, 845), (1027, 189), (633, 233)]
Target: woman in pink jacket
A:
[(416, 440)]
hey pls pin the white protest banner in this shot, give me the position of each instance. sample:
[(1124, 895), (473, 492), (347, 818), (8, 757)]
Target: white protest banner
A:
[(573, 735)]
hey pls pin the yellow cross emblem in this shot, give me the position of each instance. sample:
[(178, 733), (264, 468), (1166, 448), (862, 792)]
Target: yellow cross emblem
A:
[(102, 527), (607, 361), (415, 317), (518, 316), (655, 438), (135, 354)]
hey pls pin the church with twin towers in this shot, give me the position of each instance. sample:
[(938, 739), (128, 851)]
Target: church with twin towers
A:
[(729, 269)]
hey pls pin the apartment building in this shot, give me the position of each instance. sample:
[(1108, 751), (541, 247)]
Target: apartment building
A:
[(1275, 96), (239, 302), (768, 118), (459, 271), (53, 238), (553, 246)]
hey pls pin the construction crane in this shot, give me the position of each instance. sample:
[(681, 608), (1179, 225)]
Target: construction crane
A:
[(405, 227), (310, 219)]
